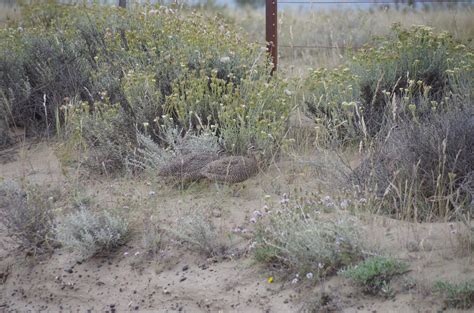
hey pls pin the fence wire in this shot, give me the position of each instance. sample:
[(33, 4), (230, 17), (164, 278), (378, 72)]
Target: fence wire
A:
[(375, 2)]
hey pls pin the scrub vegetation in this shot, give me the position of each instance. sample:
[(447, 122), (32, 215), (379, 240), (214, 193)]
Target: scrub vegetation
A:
[(358, 158)]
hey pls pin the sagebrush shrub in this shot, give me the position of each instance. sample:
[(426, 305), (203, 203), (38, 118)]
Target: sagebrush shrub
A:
[(416, 65), (28, 215), (37, 72), (301, 242), (145, 69), (253, 112), (151, 156), (417, 54), (106, 136), (88, 233), (333, 98)]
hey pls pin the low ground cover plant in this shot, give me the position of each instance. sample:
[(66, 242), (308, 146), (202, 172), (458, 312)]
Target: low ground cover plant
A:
[(375, 273), (459, 296), (297, 240), (87, 233)]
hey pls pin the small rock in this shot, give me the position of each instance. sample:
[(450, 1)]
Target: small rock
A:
[(185, 268), (182, 279)]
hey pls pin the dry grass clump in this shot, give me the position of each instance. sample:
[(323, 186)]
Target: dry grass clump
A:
[(152, 234), (424, 171), (324, 302), (8, 12), (88, 233), (5, 139), (28, 215), (298, 240), (199, 231)]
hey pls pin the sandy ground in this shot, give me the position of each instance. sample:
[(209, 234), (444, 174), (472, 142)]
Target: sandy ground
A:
[(180, 279)]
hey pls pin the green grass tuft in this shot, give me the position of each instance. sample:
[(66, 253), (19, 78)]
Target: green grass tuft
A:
[(459, 296), (375, 273)]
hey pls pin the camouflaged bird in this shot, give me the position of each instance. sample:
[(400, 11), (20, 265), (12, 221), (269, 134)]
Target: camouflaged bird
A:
[(231, 169), (189, 167)]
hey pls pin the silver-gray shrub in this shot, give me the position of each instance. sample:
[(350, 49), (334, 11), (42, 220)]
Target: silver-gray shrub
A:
[(151, 156), (88, 233), (301, 241)]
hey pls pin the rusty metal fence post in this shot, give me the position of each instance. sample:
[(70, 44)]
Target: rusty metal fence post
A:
[(271, 22)]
